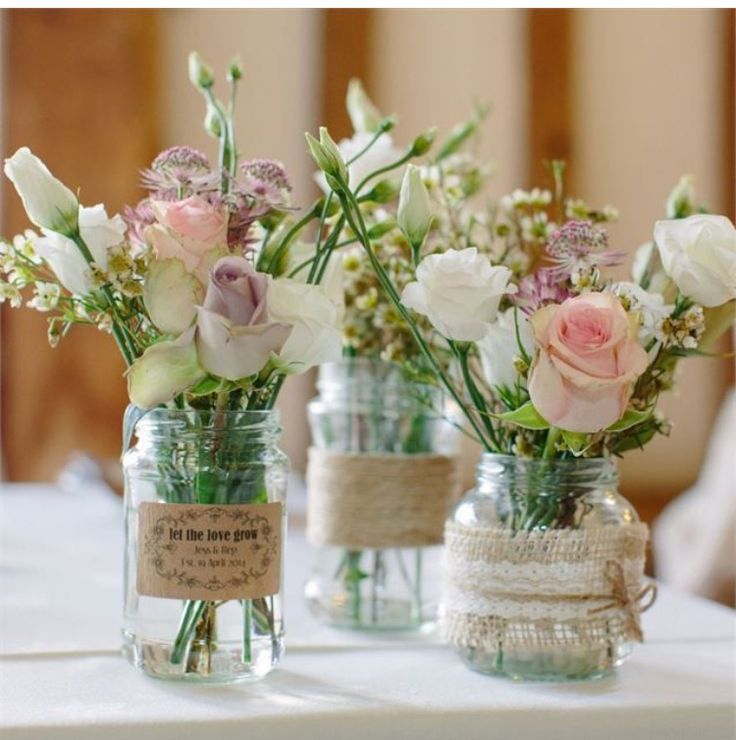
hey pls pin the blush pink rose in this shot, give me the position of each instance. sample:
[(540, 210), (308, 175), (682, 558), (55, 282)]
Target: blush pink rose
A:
[(191, 230), (234, 336), (587, 362)]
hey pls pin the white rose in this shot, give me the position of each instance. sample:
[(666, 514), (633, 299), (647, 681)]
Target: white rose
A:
[(316, 334), (699, 254), (381, 154), (459, 292), (48, 202), (499, 347), (650, 306), (63, 256)]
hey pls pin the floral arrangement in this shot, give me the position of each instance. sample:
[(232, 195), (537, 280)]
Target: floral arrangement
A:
[(188, 283), (549, 358)]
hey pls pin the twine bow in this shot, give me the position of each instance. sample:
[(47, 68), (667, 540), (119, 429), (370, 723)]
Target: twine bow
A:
[(622, 598)]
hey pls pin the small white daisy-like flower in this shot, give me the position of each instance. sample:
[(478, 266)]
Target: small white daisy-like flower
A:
[(10, 293), (46, 297)]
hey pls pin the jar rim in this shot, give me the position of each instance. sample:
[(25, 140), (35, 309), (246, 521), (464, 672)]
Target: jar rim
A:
[(234, 419)]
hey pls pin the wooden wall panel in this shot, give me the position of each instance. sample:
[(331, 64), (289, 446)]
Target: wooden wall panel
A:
[(549, 87), (348, 50), (81, 93)]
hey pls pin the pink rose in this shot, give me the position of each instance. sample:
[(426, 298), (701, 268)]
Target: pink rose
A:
[(588, 359), (190, 230), (234, 337)]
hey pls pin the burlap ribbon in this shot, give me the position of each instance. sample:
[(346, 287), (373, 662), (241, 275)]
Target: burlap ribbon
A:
[(379, 501), (545, 588)]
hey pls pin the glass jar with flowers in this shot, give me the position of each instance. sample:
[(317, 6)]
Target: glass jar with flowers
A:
[(557, 371), (191, 285)]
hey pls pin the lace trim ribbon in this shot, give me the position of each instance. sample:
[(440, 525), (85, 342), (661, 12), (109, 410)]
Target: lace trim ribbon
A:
[(544, 588)]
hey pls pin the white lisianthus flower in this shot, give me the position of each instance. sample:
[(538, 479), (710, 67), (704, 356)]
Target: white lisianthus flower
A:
[(48, 202), (315, 318), (499, 347), (382, 153), (699, 254), (63, 256), (658, 280), (650, 307), (46, 297), (459, 292), (415, 211), (364, 115)]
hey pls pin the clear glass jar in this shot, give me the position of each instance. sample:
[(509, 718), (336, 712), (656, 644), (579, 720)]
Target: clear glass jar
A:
[(523, 504), (365, 406), (214, 479)]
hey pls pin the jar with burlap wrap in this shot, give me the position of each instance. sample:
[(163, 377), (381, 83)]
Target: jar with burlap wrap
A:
[(544, 570), (382, 478)]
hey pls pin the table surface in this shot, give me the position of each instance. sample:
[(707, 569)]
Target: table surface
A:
[(62, 676)]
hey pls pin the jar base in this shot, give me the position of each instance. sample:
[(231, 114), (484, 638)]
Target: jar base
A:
[(389, 615), (153, 657), (550, 665)]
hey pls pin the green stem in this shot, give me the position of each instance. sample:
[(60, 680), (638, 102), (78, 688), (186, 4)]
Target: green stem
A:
[(247, 654), (409, 155), (119, 330), (549, 447), (347, 199), (288, 238)]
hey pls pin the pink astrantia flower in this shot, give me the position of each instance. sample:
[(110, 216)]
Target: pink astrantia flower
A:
[(179, 172), (587, 362), (580, 245)]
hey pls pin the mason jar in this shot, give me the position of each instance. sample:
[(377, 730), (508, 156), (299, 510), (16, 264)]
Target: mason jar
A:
[(382, 477), (205, 524), (543, 571)]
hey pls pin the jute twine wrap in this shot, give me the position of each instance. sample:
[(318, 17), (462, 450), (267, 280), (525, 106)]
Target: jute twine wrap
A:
[(544, 588), (381, 501)]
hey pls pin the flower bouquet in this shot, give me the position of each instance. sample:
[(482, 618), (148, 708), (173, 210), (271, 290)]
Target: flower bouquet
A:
[(382, 471), (191, 285), (557, 371)]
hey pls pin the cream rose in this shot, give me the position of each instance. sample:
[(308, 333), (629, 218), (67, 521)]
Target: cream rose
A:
[(459, 292), (587, 362), (699, 254), (190, 230)]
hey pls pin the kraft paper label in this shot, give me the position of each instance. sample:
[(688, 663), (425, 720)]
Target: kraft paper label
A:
[(209, 553)]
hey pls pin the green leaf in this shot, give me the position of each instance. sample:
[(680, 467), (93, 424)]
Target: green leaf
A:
[(205, 386), (525, 416), (577, 442), (630, 419)]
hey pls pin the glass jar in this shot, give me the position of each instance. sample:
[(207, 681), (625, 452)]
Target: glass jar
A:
[(543, 570), (205, 526), (368, 411)]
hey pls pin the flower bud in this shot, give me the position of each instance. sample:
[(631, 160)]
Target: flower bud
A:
[(382, 192), (48, 202), (415, 210), (423, 143), (364, 115), (200, 74), (328, 144), (680, 200), (235, 70), (381, 228)]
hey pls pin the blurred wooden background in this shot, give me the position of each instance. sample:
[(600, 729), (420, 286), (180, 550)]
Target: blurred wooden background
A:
[(631, 98)]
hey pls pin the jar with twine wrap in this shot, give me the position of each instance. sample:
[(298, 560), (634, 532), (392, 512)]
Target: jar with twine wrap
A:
[(382, 479), (543, 570)]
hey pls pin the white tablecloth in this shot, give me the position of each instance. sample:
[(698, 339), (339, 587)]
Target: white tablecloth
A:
[(61, 674)]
